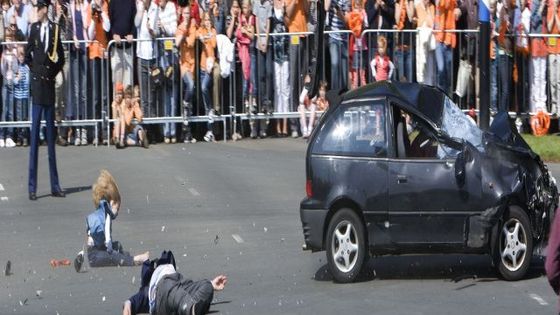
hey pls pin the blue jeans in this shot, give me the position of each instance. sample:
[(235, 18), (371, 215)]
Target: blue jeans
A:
[(493, 85), (252, 75), (76, 108), (206, 89), (22, 114), (444, 62), (339, 63), (168, 95), (146, 89), (504, 81), (405, 64), (7, 109), (188, 87)]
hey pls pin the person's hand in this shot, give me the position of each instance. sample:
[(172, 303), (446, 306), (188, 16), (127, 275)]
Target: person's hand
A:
[(129, 38), (219, 283), (117, 38), (76, 43), (159, 25), (457, 13), (262, 47)]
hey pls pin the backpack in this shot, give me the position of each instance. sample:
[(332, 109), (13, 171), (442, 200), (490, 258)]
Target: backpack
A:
[(149, 266)]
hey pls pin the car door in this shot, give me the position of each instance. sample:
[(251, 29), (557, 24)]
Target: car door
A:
[(427, 204), (350, 160)]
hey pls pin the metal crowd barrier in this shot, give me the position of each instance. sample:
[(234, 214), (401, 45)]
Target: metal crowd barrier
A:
[(465, 50)]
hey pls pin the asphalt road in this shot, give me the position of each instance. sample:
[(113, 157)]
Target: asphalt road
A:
[(228, 208)]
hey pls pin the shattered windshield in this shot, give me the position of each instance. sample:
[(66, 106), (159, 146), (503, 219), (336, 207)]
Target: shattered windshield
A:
[(458, 125)]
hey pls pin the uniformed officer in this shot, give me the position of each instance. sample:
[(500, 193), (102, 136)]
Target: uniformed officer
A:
[(45, 58)]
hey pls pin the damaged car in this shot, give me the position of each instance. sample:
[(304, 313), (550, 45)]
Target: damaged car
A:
[(398, 168)]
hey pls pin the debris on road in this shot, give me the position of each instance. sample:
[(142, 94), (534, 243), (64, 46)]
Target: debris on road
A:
[(8, 269), (60, 262)]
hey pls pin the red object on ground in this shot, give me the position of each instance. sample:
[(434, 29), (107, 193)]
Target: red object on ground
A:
[(60, 262)]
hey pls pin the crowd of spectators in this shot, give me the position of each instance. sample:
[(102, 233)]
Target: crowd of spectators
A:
[(188, 70)]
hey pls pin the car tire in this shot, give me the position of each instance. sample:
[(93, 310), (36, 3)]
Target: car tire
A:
[(346, 245), (514, 247)]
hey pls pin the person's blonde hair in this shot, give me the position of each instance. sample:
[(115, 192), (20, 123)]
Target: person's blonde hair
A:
[(105, 188)]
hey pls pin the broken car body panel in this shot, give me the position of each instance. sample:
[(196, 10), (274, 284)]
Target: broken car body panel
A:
[(444, 205)]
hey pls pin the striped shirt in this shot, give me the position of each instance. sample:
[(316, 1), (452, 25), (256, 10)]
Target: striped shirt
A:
[(21, 88), (335, 22)]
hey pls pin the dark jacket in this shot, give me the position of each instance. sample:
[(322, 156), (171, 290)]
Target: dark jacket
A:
[(552, 263), (43, 69)]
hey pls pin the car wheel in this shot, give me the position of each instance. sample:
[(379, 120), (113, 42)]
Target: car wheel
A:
[(346, 245), (515, 245)]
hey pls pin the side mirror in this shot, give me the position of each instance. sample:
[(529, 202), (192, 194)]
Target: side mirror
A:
[(460, 165)]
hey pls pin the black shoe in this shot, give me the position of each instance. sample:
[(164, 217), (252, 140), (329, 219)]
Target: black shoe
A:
[(32, 196), (59, 194), (78, 261)]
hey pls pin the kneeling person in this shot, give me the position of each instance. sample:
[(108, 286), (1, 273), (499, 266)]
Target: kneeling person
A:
[(129, 122), (101, 250)]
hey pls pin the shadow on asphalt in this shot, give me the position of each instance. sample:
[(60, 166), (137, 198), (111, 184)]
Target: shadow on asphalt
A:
[(69, 191), (445, 267)]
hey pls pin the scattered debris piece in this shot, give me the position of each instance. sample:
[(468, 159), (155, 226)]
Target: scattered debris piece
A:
[(8, 269)]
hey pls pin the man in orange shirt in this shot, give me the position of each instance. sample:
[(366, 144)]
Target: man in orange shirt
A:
[(297, 22), (446, 15), (185, 38), (553, 26)]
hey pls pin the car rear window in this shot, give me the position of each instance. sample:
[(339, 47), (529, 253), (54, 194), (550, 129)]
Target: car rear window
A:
[(355, 130)]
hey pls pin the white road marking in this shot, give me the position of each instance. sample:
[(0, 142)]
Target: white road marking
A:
[(1, 187), (4, 198), (237, 238), (539, 299), (194, 192)]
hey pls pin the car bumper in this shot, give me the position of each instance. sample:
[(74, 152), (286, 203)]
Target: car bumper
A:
[(313, 222)]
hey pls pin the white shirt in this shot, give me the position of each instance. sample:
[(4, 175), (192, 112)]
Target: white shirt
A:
[(160, 272), (145, 49), (45, 35)]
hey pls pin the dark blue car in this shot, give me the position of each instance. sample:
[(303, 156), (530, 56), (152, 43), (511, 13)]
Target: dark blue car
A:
[(397, 168)]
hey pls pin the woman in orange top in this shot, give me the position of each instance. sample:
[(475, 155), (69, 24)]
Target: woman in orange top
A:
[(98, 25), (207, 35), (185, 37), (445, 21)]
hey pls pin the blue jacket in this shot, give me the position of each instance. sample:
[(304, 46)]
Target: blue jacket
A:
[(95, 223)]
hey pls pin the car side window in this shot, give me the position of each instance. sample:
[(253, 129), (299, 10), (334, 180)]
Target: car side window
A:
[(414, 140), (356, 130)]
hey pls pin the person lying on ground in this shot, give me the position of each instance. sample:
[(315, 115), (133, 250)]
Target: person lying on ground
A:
[(165, 291)]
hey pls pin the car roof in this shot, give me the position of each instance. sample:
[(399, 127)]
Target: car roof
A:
[(414, 97)]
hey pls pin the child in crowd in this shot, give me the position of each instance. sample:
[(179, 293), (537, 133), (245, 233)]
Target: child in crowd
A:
[(9, 67), (21, 96), (116, 111), (246, 51), (280, 57), (319, 102), (381, 65), (129, 127), (102, 251), (305, 105), (357, 22)]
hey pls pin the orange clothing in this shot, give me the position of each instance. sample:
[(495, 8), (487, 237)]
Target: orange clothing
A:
[(130, 111), (553, 43), (297, 22), (209, 45), (445, 20), (188, 36), (425, 16), (99, 44), (538, 45)]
